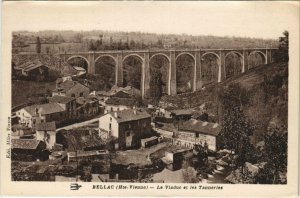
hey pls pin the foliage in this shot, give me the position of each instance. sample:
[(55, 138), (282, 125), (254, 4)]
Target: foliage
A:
[(190, 175), (282, 54), (275, 155), (156, 85), (38, 45)]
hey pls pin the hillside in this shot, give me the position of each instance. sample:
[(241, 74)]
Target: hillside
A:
[(261, 92)]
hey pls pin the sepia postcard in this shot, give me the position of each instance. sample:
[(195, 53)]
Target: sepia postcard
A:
[(149, 98)]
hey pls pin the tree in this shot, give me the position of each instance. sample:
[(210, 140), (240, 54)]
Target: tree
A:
[(275, 154), (38, 45), (282, 54), (156, 85)]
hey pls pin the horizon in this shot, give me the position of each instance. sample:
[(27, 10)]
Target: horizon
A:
[(141, 32), (260, 20)]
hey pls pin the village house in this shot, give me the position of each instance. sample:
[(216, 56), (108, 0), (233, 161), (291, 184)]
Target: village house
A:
[(46, 132), (127, 126), (34, 114), (28, 150), (33, 70), (119, 104), (70, 88), (22, 132), (193, 132), (181, 114), (86, 107), (67, 103)]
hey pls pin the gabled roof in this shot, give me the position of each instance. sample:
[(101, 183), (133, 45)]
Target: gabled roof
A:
[(60, 99), (84, 100), (182, 112), (24, 144), (129, 115), (121, 101), (68, 85), (30, 65), (197, 126), (45, 126), (47, 108)]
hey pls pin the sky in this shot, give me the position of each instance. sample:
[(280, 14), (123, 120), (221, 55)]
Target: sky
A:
[(264, 19)]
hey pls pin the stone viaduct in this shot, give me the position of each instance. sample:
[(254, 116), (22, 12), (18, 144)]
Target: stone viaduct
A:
[(145, 57)]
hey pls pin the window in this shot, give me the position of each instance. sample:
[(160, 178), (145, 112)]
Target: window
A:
[(73, 95), (42, 121), (33, 121), (109, 126), (111, 109), (197, 135), (81, 94), (110, 118)]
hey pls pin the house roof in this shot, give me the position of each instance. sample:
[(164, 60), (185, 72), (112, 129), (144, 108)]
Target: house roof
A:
[(197, 126), (182, 111), (129, 115), (47, 108), (69, 84), (45, 126), (24, 143), (83, 100), (60, 99), (30, 65), (121, 101)]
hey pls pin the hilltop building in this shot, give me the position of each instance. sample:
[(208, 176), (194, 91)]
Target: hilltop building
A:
[(127, 126)]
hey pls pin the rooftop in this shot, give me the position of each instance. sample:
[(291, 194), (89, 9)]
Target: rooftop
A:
[(182, 111), (60, 99), (69, 84), (47, 108), (130, 115), (24, 143), (46, 126), (30, 65), (197, 126), (121, 101)]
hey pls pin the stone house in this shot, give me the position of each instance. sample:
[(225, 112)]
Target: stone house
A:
[(193, 132), (27, 149), (70, 88), (128, 127), (67, 103), (46, 132), (119, 104), (35, 71), (34, 114), (87, 107)]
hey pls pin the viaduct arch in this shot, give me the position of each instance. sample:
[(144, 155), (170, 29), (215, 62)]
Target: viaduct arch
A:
[(172, 55)]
